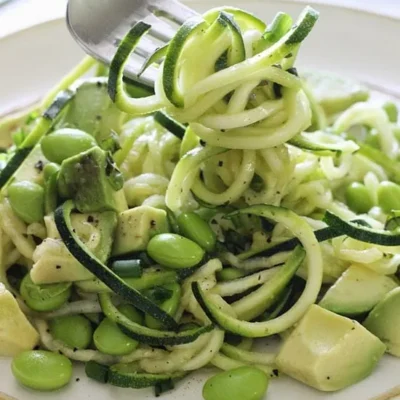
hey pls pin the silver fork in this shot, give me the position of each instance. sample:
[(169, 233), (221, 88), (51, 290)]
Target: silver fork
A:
[(99, 25)]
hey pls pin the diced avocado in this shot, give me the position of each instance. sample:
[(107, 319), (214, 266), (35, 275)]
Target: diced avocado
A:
[(91, 179), (333, 92), (384, 321), (32, 167), (54, 263), (16, 332), (329, 352), (52, 260), (120, 201), (357, 291), (136, 226), (92, 110)]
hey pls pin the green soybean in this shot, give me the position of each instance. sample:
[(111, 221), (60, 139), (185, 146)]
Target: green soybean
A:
[(42, 370), (44, 297), (74, 330), (170, 305), (109, 339), (358, 198), (244, 383), (174, 251), (229, 274), (50, 169), (50, 187), (27, 201), (389, 196), (195, 228), (65, 143)]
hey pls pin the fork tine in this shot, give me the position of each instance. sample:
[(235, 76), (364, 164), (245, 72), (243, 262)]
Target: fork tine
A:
[(146, 47), (172, 10), (160, 29)]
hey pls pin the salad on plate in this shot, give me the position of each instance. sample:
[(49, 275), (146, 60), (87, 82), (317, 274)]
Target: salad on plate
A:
[(152, 232)]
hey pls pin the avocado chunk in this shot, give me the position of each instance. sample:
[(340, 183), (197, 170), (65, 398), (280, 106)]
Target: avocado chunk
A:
[(16, 332), (91, 179), (92, 110), (329, 352), (136, 227), (52, 260), (357, 291), (333, 92), (384, 321)]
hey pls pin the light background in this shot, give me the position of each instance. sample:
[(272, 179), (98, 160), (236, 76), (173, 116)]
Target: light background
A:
[(19, 14)]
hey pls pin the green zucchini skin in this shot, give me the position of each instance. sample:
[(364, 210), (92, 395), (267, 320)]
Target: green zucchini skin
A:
[(123, 51), (170, 74), (362, 233), (321, 234), (306, 22), (161, 339), (143, 334), (176, 128), (96, 371), (138, 380), (13, 164), (47, 120), (102, 272), (199, 297)]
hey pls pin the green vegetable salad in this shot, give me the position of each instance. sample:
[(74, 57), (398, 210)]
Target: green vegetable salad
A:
[(149, 233)]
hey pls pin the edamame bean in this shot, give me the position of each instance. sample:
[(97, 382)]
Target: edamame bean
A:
[(170, 305), (174, 251), (358, 198), (65, 143), (42, 370), (50, 169), (74, 330), (389, 196), (50, 187), (195, 228), (109, 339), (229, 274), (27, 201), (244, 383), (44, 297)]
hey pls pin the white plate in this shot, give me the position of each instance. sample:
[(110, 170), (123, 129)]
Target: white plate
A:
[(353, 43)]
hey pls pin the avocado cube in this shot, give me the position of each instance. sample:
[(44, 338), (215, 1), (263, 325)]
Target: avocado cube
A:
[(52, 260), (136, 227), (91, 179), (16, 333), (329, 352), (384, 321), (357, 291)]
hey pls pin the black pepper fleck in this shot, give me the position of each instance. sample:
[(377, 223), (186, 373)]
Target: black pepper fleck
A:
[(220, 163), (39, 165), (90, 219), (275, 372), (58, 266)]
